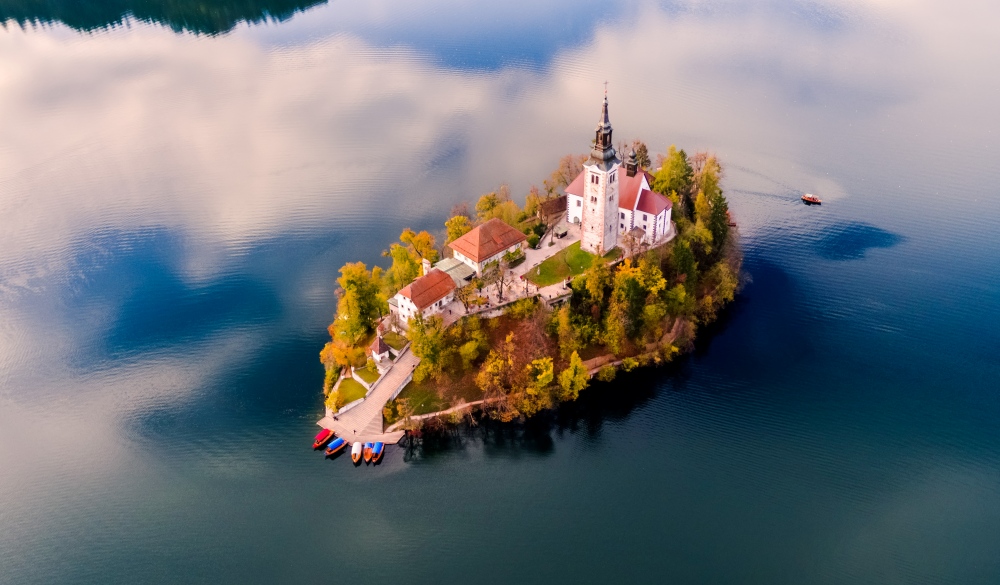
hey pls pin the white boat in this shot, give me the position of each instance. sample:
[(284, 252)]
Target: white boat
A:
[(356, 450)]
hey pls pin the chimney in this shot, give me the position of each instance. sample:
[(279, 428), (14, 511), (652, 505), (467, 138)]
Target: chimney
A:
[(427, 266)]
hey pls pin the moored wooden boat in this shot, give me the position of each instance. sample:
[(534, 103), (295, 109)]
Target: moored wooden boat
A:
[(336, 445), (377, 451), (322, 438), (368, 452), (356, 452), (811, 199)]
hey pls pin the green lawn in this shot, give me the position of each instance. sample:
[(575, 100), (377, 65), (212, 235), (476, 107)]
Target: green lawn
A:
[(394, 340), (350, 390), (569, 261), (423, 397), (369, 376)]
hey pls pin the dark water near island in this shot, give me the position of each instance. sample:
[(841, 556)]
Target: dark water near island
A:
[(178, 191)]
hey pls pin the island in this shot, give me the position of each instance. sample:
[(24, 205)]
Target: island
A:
[(609, 266)]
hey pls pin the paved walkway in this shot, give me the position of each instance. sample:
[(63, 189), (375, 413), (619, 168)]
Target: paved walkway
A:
[(364, 421)]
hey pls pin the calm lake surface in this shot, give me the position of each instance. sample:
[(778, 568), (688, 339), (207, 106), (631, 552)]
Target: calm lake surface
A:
[(179, 185)]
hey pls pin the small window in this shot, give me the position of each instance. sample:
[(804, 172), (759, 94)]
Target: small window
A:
[(579, 202), (623, 215), (611, 197), (643, 217), (621, 225)]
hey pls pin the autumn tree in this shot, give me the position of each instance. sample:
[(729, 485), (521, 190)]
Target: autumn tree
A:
[(457, 226), (498, 377), (467, 295), (569, 167), (596, 281), (535, 395), (421, 243), (361, 302), (498, 273), (405, 268), (573, 379), (533, 202), (569, 340)]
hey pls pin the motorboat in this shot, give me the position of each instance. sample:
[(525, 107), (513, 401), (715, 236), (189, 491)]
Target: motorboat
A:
[(322, 438), (377, 451), (368, 452), (356, 449), (336, 445), (811, 199)]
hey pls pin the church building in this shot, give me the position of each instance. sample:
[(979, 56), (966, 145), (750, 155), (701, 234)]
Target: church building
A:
[(609, 201)]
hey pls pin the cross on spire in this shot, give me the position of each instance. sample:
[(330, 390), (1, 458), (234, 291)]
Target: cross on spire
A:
[(605, 89)]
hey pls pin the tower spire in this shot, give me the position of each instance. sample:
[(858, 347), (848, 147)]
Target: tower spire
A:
[(604, 152)]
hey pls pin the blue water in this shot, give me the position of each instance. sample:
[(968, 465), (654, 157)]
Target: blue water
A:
[(176, 200)]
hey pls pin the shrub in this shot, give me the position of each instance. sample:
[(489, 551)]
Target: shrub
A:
[(522, 309), (539, 229), (533, 240), (629, 364), (607, 373)]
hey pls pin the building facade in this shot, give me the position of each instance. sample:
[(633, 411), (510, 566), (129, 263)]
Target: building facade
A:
[(487, 243), (426, 296), (609, 201)]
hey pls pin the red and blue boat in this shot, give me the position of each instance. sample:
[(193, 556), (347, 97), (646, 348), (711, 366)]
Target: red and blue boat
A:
[(368, 452), (335, 446), (323, 438)]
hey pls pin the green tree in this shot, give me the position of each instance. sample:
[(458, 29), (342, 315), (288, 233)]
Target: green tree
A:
[(427, 342), (685, 265), (457, 227), (573, 379), (675, 174), (641, 154)]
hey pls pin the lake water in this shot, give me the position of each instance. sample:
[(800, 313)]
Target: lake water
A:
[(178, 189)]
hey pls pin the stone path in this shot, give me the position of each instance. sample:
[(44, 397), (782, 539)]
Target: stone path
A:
[(364, 421)]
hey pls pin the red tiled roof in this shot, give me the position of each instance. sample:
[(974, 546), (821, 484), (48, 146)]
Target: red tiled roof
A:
[(428, 289), (487, 240), (379, 346), (576, 187), (628, 188), (652, 202)]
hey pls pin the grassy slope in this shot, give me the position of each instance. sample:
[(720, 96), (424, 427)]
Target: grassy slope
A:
[(350, 390), (369, 376)]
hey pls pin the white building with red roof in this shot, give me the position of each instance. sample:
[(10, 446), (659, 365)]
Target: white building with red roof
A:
[(608, 203), (426, 296), (487, 243)]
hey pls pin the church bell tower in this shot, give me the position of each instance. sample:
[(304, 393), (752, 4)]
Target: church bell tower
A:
[(600, 194)]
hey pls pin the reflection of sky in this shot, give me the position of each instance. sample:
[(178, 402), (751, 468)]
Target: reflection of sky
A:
[(171, 200)]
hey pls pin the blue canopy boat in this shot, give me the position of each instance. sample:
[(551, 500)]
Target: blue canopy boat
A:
[(377, 452), (336, 445)]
